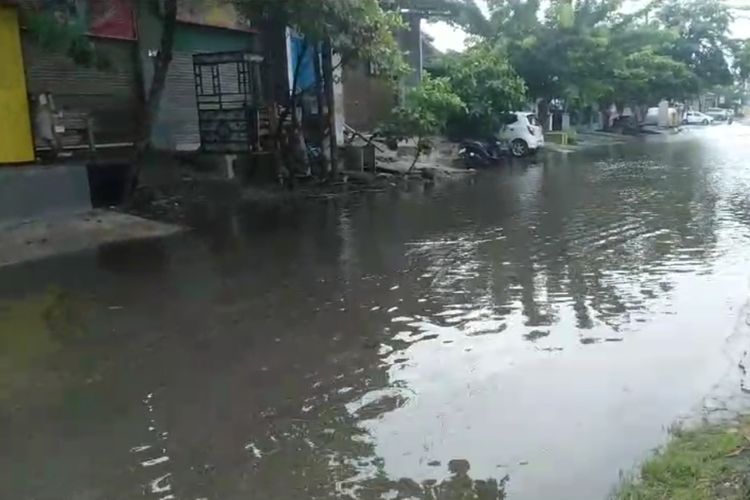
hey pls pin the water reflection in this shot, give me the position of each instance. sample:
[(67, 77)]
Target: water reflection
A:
[(542, 323)]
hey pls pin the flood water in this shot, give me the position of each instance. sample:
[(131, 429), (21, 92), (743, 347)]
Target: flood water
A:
[(531, 332)]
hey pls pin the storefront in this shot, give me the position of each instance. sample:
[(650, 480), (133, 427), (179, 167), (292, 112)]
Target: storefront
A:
[(201, 28), (105, 89)]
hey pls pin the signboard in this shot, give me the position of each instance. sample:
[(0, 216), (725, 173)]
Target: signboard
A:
[(102, 18), (214, 13), (112, 19)]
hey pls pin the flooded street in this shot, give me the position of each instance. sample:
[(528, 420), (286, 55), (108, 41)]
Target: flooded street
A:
[(531, 332)]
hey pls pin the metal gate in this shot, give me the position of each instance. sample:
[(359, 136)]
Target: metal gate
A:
[(228, 96)]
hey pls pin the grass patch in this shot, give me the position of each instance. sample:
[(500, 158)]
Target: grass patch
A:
[(710, 462)]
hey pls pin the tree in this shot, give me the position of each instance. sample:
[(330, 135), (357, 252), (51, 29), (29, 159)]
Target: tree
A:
[(563, 54), (580, 53), (425, 112), (352, 29), (703, 37), (741, 58), (644, 70), (466, 98), (487, 85), (161, 62), (647, 77)]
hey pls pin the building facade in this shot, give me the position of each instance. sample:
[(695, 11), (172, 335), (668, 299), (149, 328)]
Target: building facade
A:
[(369, 98), (203, 27)]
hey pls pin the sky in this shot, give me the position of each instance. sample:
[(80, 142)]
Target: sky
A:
[(447, 37)]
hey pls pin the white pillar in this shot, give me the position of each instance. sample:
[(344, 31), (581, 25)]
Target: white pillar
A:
[(566, 122), (663, 113)]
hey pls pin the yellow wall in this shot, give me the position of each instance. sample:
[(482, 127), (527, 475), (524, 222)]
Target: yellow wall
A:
[(16, 143)]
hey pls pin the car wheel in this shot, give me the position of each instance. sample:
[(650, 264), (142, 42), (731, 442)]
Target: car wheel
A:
[(705, 122), (519, 148)]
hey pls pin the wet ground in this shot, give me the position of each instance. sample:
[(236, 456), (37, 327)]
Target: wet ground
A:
[(528, 332)]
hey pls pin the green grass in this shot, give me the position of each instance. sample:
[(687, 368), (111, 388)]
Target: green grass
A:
[(709, 463)]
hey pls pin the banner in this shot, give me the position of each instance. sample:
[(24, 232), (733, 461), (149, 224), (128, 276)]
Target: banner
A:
[(112, 19)]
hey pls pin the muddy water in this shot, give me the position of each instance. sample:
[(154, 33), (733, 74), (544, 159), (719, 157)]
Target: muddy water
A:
[(530, 332)]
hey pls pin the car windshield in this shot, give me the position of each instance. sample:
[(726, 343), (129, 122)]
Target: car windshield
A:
[(533, 120)]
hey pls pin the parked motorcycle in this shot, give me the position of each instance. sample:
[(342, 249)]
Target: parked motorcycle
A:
[(479, 154)]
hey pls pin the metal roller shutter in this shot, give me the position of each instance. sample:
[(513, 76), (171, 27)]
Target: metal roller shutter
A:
[(177, 124), (109, 96)]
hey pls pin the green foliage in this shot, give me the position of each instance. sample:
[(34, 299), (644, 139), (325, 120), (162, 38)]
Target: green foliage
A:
[(467, 96), (487, 85), (699, 464), (742, 59), (703, 29), (567, 55), (647, 77), (425, 111), (356, 29), (587, 52), (68, 38)]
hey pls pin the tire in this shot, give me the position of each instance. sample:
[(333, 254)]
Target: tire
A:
[(705, 122), (519, 148)]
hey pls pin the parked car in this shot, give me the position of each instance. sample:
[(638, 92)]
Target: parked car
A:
[(718, 114), (696, 117), (523, 132)]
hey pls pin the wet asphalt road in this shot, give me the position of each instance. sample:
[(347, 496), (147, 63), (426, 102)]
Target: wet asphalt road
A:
[(530, 332)]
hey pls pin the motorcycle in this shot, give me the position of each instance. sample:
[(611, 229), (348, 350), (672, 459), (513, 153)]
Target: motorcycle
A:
[(479, 154)]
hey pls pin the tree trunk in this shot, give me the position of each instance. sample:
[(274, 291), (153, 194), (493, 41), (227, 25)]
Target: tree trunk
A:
[(322, 117), (604, 113), (416, 155), (288, 140), (328, 87), (274, 60), (544, 113), (159, 78), (152, 98)]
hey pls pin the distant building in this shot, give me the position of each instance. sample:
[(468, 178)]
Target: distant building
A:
[(368, 98)]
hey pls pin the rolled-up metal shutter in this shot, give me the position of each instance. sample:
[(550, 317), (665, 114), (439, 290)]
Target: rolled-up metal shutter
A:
[(109, 95), (178, 113)]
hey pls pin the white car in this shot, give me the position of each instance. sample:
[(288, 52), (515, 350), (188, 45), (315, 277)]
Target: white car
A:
[(523, 132), (696, 117), (718, 114)]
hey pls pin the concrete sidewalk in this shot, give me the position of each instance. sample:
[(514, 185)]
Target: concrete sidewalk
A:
[(44, 237)]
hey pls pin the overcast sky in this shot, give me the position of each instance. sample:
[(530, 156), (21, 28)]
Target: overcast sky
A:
[(449, 38)]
